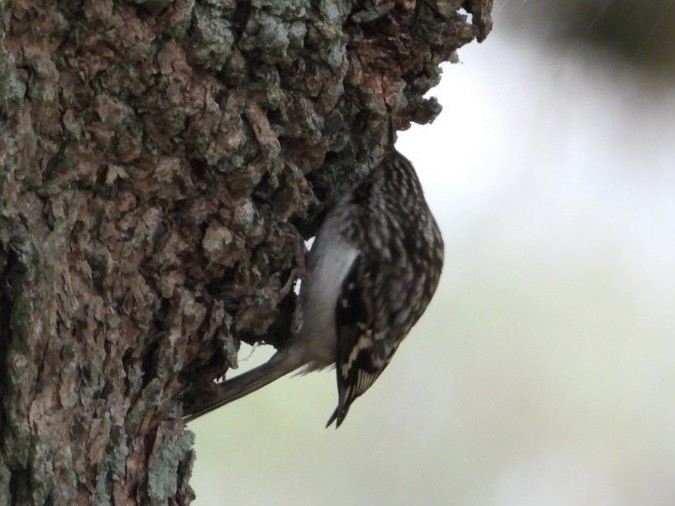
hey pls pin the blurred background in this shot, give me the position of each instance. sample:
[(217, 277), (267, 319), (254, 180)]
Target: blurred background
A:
[(543, 373)]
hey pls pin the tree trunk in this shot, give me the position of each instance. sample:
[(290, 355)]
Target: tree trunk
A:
[(161, 163)]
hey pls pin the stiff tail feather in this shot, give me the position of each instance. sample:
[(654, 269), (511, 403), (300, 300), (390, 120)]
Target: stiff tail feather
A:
[(240, 386)]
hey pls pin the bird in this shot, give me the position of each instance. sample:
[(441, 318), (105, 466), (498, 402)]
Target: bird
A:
[(372, 270)]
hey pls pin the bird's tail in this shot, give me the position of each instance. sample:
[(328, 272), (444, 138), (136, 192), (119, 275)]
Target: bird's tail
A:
[(230, 390)]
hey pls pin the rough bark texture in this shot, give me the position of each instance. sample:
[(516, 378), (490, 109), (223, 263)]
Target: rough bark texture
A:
[(161, 163)]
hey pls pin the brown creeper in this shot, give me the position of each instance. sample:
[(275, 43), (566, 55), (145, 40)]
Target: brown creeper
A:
[(373, 269)]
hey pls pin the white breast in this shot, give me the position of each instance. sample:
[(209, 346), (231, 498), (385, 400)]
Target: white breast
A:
[(330, 259)]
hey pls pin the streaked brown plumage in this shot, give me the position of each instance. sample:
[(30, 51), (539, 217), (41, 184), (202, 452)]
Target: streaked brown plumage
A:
[(373, 268)]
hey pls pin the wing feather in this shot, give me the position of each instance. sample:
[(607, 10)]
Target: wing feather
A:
[(362, 352)]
